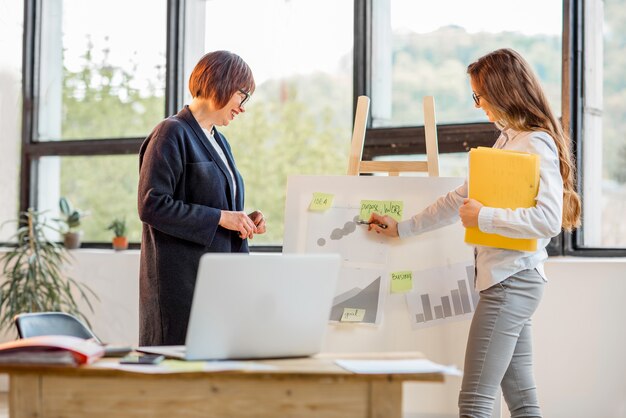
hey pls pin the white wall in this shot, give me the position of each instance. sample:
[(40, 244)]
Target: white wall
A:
[(578, 331), (580, 339)]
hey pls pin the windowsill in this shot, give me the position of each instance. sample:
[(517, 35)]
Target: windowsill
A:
[(103, 251), (551, 260), (558, 259)]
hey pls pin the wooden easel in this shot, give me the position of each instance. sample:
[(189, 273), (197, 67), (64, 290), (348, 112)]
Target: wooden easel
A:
[(393, 168)]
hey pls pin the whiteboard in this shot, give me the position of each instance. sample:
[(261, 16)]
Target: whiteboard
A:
[(428, 255)]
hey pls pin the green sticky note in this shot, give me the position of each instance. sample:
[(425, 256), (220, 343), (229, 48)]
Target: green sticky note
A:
[(352, 315), (391, 208), (321, 202), (401, 281)]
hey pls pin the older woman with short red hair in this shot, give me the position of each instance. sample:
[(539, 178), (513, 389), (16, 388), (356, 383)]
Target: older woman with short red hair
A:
[(191, 196)]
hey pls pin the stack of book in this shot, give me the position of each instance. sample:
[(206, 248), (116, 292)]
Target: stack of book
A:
[(51, 349)]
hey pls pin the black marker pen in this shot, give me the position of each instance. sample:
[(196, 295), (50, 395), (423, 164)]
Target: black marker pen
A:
[(360, 222)]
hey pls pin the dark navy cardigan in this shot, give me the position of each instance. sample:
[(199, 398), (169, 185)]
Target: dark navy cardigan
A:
[(183, 186)]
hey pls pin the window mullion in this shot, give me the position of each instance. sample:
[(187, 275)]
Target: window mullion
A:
[(174, 53), (29, 51), (362, 50)]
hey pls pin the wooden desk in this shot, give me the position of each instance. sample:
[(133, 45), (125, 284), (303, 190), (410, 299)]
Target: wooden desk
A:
[(306, 387)]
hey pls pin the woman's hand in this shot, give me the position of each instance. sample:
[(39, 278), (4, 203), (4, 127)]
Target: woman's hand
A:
[(240, 222), (469, 212), (377, 220), (259, 221)]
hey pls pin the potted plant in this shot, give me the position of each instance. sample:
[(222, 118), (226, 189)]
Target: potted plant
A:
[(118, 226), (71, 220), (35, 280)]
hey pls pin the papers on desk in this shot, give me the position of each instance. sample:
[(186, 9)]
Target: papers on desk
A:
[(397, 367), (181, 366)]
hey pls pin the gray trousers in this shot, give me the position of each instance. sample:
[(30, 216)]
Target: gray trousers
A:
[(499, 349)]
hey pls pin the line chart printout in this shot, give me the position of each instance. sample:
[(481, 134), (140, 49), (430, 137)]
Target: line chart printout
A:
[(359, 288), (364, 258)]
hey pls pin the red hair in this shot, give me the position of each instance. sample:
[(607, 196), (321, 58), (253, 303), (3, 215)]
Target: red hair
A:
[(218, 75)]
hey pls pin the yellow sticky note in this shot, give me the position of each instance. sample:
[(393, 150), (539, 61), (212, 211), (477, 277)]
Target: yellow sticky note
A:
[(401, 281), (183, 366), (321, 202), (391, 208), (352, 315)]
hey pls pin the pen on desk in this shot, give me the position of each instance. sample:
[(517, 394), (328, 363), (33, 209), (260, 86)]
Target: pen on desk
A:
[(360, 222)]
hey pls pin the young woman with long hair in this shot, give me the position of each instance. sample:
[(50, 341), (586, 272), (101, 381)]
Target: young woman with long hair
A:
[(499, 347)]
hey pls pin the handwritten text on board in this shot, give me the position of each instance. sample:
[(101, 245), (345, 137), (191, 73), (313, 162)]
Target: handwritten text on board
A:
[(401, 281), (321, 202), (352, 315), (392, 208)]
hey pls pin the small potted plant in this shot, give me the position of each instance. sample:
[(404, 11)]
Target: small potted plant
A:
[(118, 226), (71, 220)]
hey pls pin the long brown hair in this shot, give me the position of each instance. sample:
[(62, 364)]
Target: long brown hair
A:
[(517, 100)]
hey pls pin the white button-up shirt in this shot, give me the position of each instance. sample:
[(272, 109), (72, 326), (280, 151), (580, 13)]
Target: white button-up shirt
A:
[(541, 222), (220, 152)]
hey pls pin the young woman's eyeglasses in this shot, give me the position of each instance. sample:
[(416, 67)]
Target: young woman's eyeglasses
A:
[(245, 98), (476, 98)]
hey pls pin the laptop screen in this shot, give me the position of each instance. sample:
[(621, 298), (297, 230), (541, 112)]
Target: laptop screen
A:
[(261, 305)]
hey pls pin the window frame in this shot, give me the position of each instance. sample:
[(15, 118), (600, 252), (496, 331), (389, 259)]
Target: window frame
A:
[(573, 102), (378, 141), (452, 138), (33, 150)]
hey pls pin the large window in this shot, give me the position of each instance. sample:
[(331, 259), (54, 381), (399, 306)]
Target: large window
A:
[(96, 80), (103, 186), (603, 147), (424, 51), (417, 52), (100, 77), (97, 86), (299, 120)]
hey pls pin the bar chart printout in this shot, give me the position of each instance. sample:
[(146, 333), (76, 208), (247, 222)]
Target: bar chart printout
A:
[(442, 294)]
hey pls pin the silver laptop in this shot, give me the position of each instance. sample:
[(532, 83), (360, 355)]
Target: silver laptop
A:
[(258, 306)]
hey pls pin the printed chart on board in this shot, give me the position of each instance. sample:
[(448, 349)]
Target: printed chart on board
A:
[(336, 231), (430, 271), (364, 257), (442, 294)]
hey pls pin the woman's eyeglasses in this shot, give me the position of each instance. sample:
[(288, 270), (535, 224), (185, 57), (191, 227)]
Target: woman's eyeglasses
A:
[(245, 99), (476, 98)]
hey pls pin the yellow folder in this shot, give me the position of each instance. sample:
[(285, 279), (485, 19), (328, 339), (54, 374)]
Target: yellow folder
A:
[(502, 179)]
